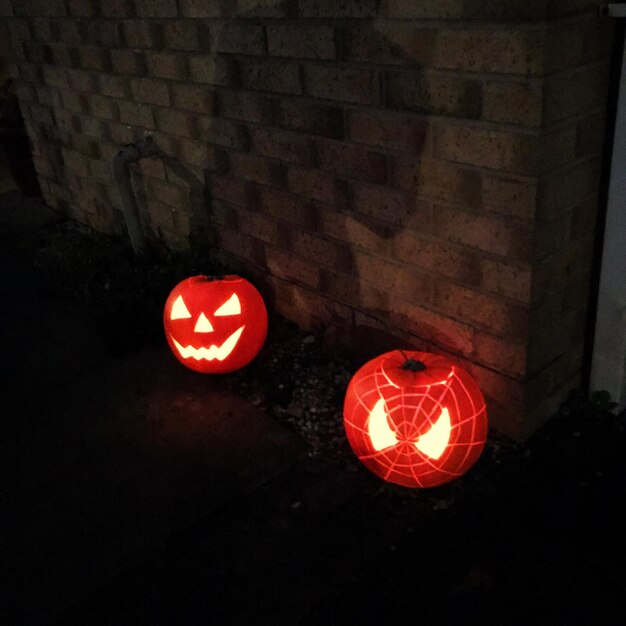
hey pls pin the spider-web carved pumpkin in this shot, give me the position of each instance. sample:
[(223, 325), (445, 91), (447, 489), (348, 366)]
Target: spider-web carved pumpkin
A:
[(215, 325), (415, 419)]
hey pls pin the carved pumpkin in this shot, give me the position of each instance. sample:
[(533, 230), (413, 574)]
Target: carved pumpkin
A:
[(415, 419), (215, 325)]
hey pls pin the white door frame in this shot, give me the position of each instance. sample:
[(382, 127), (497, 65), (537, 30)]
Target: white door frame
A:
[(608, 366)]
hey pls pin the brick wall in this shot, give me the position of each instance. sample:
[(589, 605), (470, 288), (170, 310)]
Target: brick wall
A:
[(422, 169)]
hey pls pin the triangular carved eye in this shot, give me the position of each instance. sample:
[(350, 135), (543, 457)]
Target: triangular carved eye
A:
[(231, 307), (380, 432), (179, 309), (435, 441)]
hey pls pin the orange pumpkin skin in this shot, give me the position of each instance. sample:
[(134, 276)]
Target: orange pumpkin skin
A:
[(215, 325), (415, 419)]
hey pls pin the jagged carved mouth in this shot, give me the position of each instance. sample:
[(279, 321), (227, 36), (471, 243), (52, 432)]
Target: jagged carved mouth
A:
[(212, 352)]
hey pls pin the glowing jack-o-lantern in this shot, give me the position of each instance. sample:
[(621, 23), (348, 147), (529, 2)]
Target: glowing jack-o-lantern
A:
[(215, 325), (415, 419)]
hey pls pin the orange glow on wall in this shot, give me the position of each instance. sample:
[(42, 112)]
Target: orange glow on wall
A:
[(215, 325), (415, 419)]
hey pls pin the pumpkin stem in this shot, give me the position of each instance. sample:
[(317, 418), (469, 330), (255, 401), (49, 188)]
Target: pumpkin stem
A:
[(413, 365)]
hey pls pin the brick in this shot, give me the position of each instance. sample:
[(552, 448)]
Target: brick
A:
[(437, 256), (136, 114), (437, 180), (223, 214), (357, 86), (513, 103), (511, 281), (141, 34), (310, 117), (156, 8), (150, 91), (561, 191), (92, 127), (223, 132), (571, 93), (441, 331), (358, 232), (245, 106), (181, 35), (384, 129), (100, 169), (286, 265), (473, 50), (437, 94), (128, 62), (261, 227), (229, 189), (69, 57), (114, 86), (238, 38), (500, 354), (286, 207), (281, 144), (199, 154), (167, 193), (196, 98), (545, 236), (467, 9), (20, 30), (558, 147), (337, 8), (34, 52), (301, 41), (176, 122), (92, 58), (509, 196), (240, 246), (274, 75), (42, 29), (73, 101), (255, 169), (80, 80), (318, 185), (501, 150), (590, 134), (75, 162), (314, 247), (200, 8), (83, 8), (45, 95), (166, 65), (573, 43), (381, 203), (494, 315), (116, 8), (395, 279), (260, 8), (349, 161), (213, 70), (70, 32), (482, 232), (103, 32), (26, 92)]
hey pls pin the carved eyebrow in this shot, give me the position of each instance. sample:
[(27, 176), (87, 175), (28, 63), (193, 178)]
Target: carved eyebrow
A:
[(378, 427), (231, 307), (179, 309), (434, 442)]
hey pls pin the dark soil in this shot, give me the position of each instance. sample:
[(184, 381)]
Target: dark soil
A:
[(533, 534)]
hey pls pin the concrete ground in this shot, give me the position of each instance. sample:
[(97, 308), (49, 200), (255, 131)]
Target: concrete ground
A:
[(110, 458), (140, 492)]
